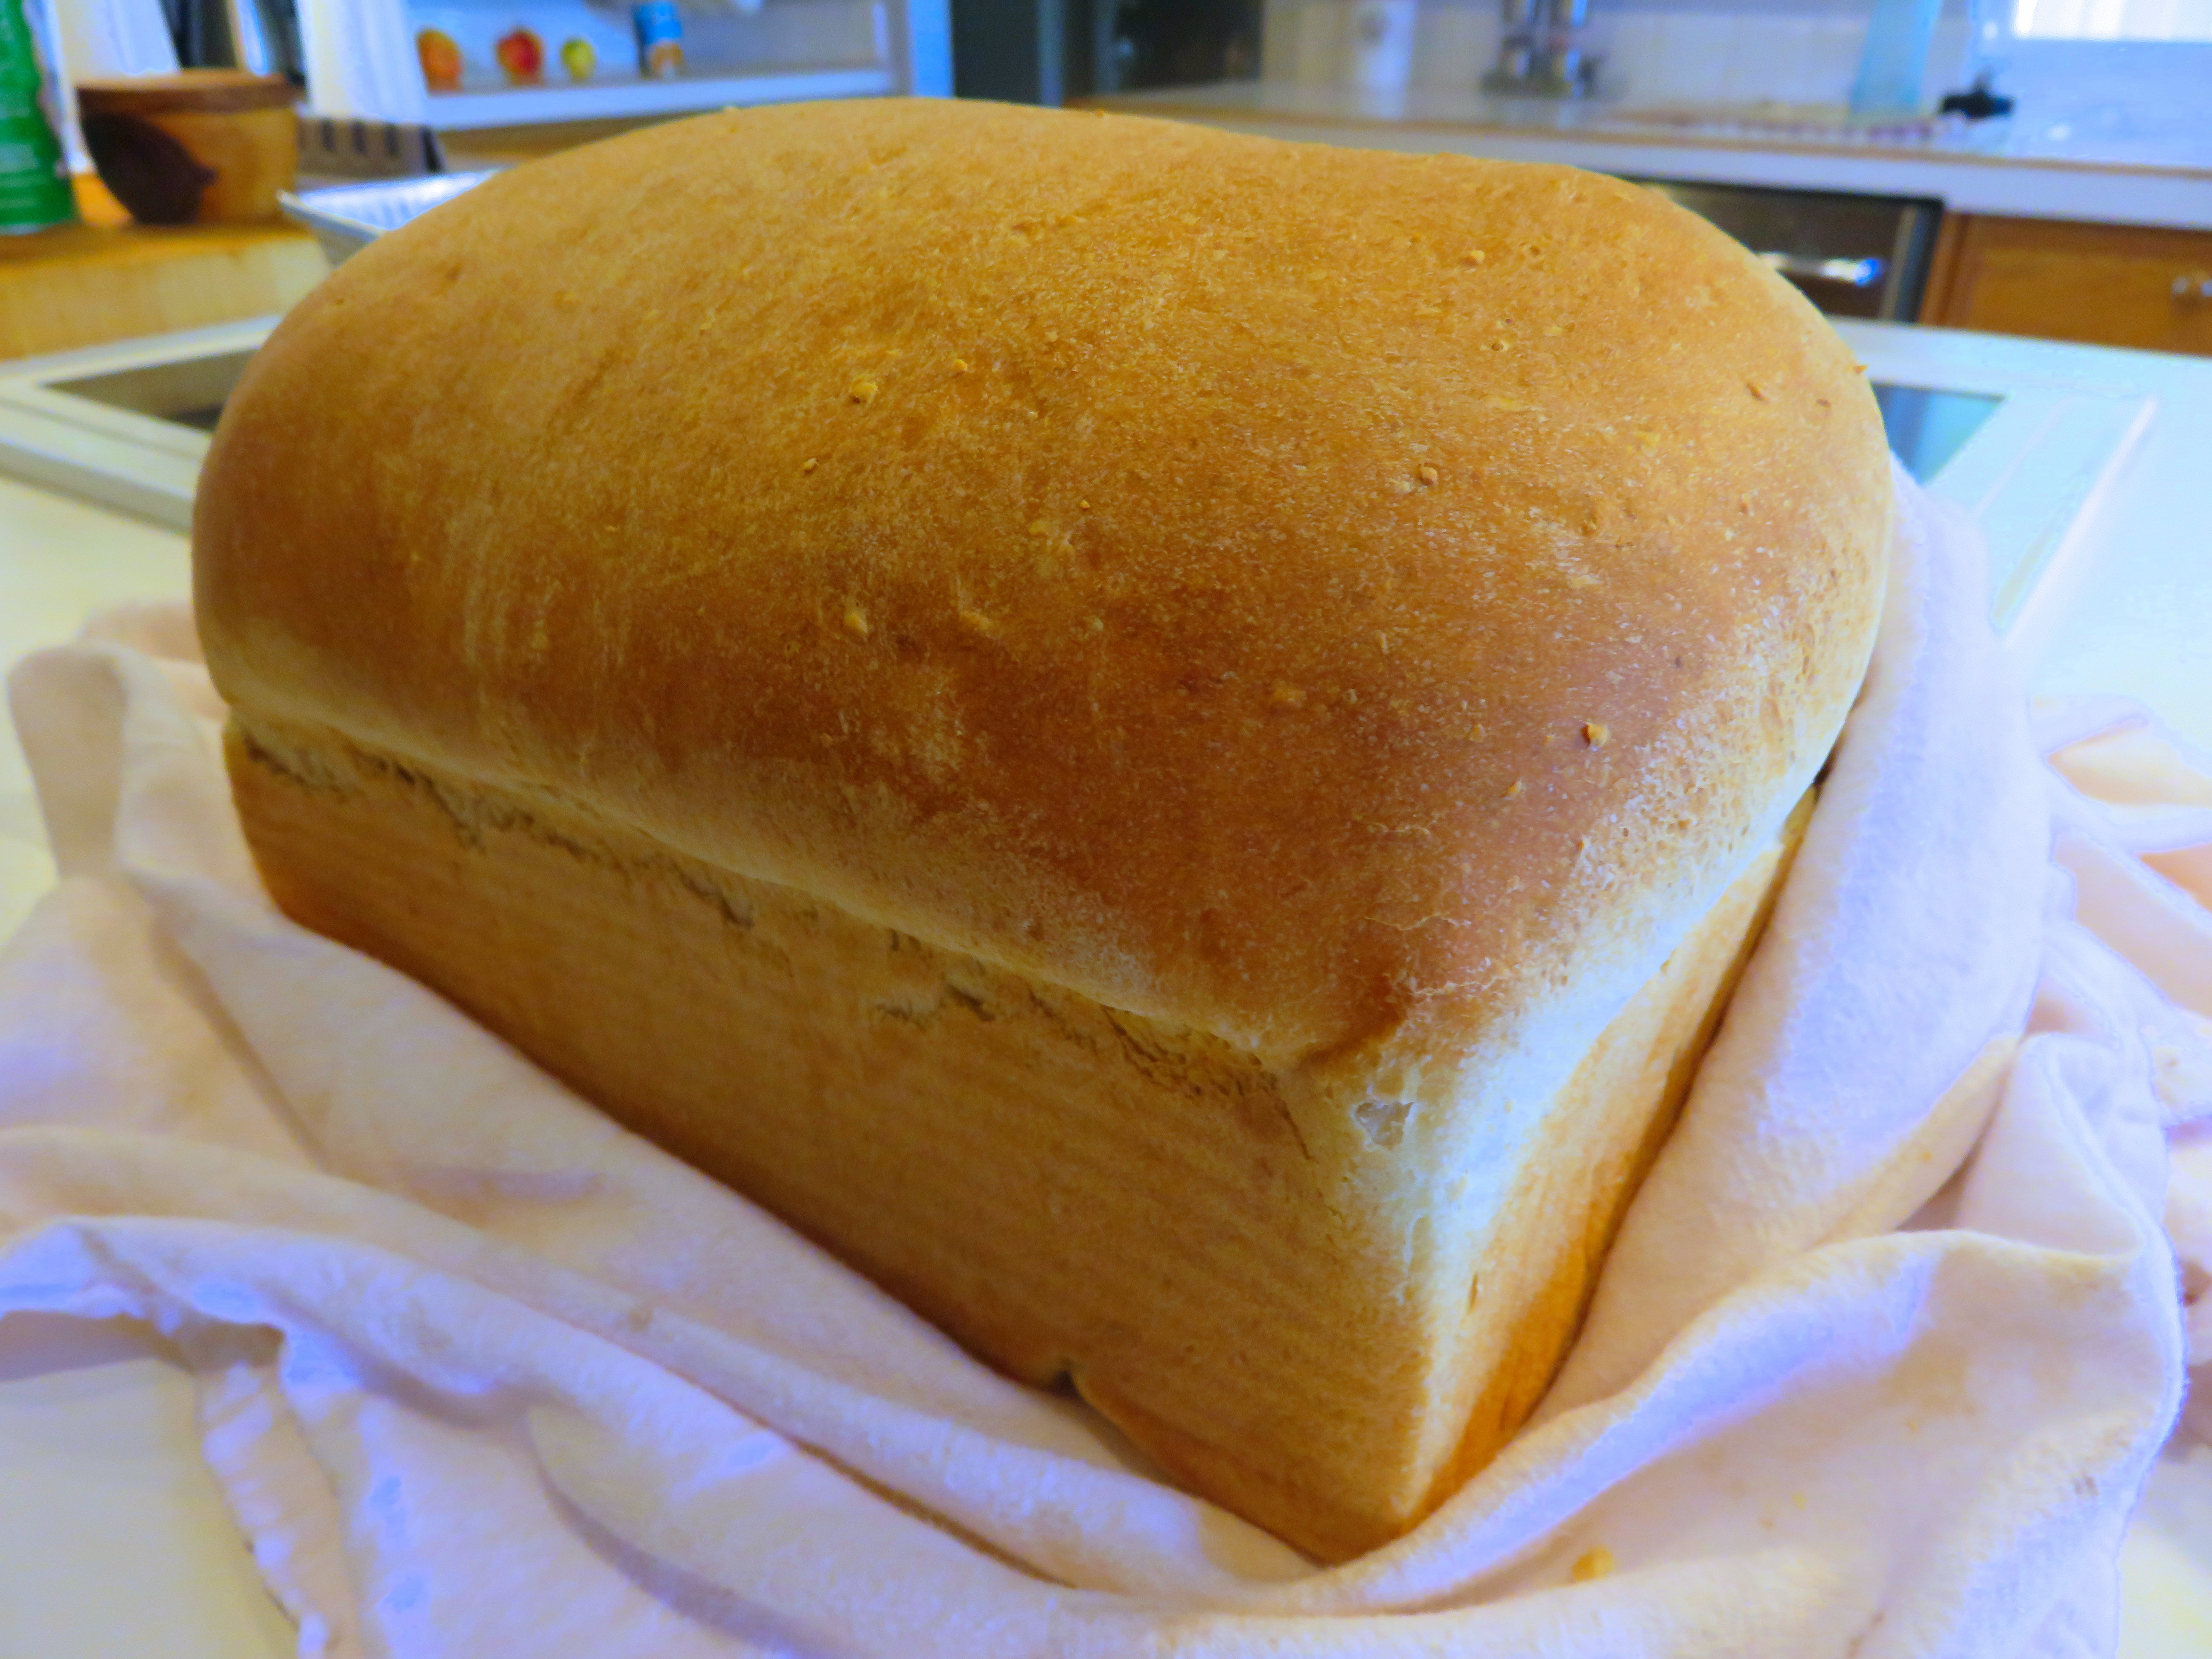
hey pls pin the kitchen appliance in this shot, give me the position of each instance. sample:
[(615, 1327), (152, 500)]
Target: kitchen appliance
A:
[(1169, 43), (1020, 52), (331, 150), (126, 425), (1854, 255)]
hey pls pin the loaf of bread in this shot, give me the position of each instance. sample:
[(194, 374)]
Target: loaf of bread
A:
[(1168, 741)]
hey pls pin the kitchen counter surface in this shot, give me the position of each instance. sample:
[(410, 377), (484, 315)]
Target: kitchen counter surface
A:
[(106, 278), (2113, 181), (117, 1540)]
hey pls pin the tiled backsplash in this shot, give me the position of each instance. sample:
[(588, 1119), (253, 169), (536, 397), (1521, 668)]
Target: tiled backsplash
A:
[(1797, 51), (1788, 56)]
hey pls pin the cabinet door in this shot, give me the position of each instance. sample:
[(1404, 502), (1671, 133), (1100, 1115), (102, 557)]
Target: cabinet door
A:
[(2107, 284)]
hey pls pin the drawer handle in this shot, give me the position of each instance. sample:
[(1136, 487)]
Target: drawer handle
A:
[(1859, 273), (2192, 288)]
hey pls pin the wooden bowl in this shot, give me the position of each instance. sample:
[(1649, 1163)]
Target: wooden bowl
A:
[(199, 146)]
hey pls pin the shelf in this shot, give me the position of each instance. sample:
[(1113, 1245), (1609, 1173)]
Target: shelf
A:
[(612, 96)]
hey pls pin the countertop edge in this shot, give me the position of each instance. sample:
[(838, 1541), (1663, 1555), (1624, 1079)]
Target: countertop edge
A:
[(2037, 187)]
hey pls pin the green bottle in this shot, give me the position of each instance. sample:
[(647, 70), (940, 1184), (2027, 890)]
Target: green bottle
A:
[(34, 186)]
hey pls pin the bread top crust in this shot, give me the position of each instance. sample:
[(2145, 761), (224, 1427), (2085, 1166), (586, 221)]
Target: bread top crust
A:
[(1327, 597)]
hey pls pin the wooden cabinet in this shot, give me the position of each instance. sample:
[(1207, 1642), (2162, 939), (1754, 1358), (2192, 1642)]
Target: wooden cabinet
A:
[(2118, 285)]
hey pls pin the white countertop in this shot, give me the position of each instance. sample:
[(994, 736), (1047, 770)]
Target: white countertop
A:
[(2111, 182), (2134, 615), (115, 1540)]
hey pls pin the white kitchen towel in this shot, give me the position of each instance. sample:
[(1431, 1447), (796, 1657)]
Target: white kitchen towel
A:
[(1877, 1368)]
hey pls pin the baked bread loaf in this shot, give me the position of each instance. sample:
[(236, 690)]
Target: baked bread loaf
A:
[(1167, 741)]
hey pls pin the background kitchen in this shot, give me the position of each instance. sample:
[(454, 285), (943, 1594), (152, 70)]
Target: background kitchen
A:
[(2038, 167), (2032, 176)]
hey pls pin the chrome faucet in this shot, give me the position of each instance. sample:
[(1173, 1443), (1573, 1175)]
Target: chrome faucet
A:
[(1543, 51)]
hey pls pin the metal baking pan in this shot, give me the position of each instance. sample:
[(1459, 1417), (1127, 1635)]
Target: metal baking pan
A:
[(346, 218)]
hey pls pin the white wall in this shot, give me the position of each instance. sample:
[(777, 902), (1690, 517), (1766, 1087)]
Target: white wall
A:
[(2115, 20)]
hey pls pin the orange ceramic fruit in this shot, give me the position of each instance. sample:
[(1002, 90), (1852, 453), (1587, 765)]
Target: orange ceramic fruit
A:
[(440, 55)]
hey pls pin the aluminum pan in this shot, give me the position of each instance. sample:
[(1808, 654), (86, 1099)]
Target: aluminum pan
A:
[(346, 218)]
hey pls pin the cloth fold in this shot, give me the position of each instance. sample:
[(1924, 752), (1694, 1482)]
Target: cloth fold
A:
[(1877, 1366)]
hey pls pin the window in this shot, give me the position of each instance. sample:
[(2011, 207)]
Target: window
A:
[(2112, 20)]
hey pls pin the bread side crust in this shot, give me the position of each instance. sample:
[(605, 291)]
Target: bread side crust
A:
[(1260, 1277)]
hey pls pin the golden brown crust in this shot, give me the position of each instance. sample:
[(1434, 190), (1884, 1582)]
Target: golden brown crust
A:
[(1329, 600)]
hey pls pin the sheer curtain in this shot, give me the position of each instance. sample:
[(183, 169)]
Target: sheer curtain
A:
[(2113, 19)]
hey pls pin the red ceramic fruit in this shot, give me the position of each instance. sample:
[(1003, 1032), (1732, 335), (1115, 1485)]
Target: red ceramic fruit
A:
[(521, 54)]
